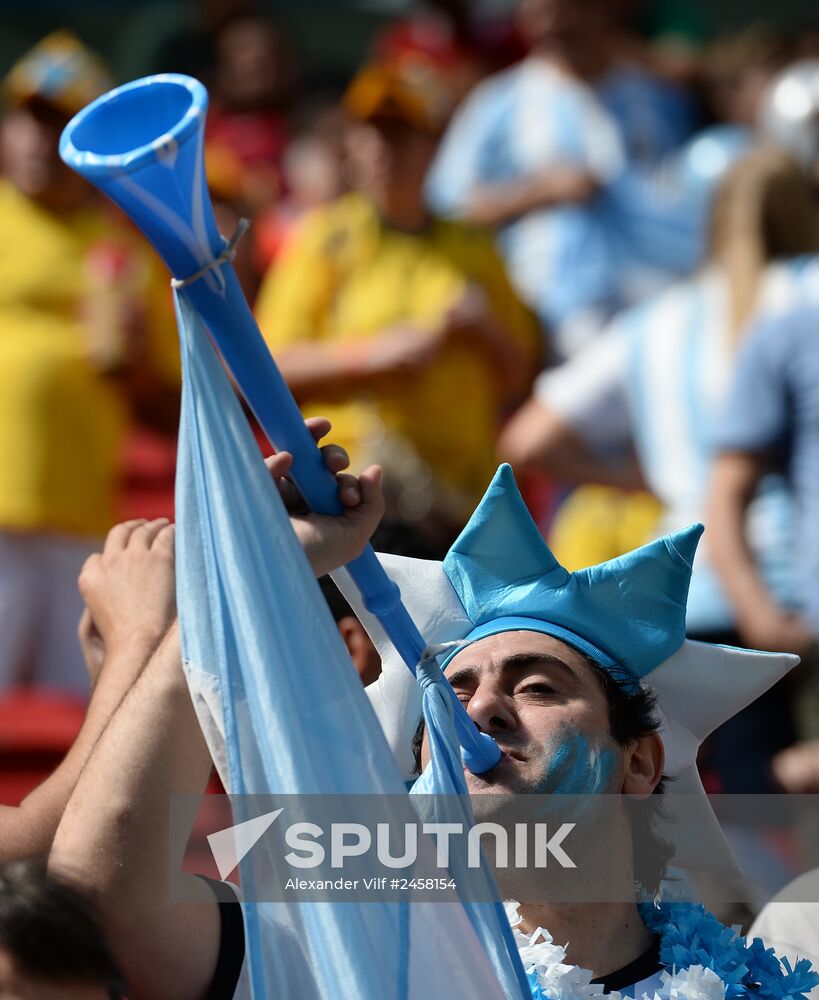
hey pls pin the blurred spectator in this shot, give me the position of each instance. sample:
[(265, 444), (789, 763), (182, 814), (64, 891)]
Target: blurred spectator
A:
[(659, 376), (312, 175), (51, 942), (659, 215), (736, 70), (772, 422), (532, 147), (87, 334), (251, 82), (771, 415), (660, 211), (654, 113), (188, 45), (400, 327), (478, 38), (443, 38)]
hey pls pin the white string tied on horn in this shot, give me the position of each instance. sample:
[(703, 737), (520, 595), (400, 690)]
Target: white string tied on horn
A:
[(436, 649), (225, 257)]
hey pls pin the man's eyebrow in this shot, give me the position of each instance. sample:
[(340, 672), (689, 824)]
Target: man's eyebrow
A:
[(519, 661), (462, 676), (515, 661)]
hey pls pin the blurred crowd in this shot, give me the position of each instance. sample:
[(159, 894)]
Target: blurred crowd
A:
[(551, 239)]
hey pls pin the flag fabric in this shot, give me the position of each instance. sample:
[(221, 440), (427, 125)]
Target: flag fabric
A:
[(442, 784), (284, 713)]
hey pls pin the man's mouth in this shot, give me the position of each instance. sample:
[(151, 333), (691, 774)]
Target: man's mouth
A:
[(508, 756)]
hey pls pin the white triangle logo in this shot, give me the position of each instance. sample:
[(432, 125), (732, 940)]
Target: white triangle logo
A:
[(230, 845)]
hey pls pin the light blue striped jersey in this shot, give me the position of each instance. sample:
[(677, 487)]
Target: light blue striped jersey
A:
[(517, 123), (660, 373)]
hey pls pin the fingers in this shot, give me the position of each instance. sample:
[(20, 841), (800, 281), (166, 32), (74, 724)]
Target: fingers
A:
[(372, 494), (362, 491), (144, 535), (165, 539), (87, 630), (335, 458), (349, 492), (319, 427), (88, 573), (85, 625), (280, 464), (119, 535)]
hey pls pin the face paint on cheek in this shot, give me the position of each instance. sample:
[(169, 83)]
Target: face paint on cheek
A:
[(576, 767)]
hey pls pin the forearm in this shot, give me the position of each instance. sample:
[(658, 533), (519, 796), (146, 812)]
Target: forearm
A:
[(578, 466), (514, 367), (114, 834), (326, 371), (29, 829), (536, 439), (504, 201), (734, 481)]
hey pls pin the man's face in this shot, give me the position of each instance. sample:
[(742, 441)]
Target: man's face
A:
[(558, 21), (29, 140), (547, 711), (392, 153)]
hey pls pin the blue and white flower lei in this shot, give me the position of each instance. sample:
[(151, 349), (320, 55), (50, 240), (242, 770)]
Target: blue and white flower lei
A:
[(707, 961)]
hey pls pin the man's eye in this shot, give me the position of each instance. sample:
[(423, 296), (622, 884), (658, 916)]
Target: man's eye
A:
[(463, 697), (538, 687)]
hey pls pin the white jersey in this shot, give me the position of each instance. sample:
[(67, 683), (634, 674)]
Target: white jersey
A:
[(659, 376)]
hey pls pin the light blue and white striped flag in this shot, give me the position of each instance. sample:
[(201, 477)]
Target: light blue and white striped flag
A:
[(284, 712)]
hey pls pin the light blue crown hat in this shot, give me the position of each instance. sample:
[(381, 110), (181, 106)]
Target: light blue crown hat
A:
[(627, 614)]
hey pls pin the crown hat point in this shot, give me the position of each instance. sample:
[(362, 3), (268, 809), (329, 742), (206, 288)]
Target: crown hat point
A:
[(629, 610)]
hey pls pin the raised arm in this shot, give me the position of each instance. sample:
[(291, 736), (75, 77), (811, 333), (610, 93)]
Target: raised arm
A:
[(576, 427), (460, 185), (761, 621), (496, 203), (748, 443), (28, 829), (113, 836), (539, 439)]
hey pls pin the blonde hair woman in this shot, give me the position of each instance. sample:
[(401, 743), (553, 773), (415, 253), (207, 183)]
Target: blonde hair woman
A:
[(656, 380)]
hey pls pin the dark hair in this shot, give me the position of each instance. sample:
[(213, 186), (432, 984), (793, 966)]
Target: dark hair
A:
[(632, 715), (51, 930), (632, 707)]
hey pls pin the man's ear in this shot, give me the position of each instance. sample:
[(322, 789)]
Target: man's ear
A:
[(644, 762)]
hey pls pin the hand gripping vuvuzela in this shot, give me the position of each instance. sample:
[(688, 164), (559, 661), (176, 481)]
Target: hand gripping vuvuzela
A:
[(142, 146)]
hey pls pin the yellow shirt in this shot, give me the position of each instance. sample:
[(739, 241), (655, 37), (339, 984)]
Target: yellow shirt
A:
[(61, 419), (345, 276)]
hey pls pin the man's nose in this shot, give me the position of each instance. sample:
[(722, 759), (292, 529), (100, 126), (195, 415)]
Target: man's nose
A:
[(492, 710)]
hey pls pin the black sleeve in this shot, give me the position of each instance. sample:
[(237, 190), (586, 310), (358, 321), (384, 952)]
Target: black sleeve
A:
[(231, 941)]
